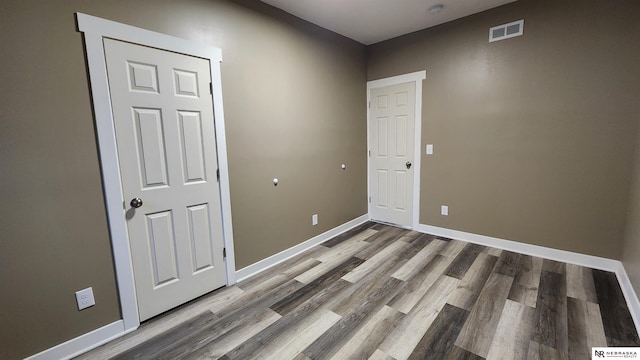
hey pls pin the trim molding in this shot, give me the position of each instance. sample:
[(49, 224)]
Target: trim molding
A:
[(83, 343), (399, 79), (629, 294), (528, 249), (591, 261), (416, 77), (276, 259), (93, 30)]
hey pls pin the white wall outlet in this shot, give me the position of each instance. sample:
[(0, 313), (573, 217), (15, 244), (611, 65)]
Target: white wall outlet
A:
[(314, 219), (444, 210), (429, 149), (85, 298)]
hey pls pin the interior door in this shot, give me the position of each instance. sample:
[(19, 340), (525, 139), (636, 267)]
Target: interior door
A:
[(164, 124), (391, 138)]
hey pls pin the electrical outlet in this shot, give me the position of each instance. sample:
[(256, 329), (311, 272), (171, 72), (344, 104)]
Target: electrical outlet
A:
[(314, 219), (85, 298), (444, 210)]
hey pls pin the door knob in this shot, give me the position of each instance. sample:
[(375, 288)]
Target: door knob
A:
[(408, 164), (136, 202)]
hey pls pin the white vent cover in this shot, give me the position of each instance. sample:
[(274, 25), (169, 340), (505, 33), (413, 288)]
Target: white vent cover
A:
[(506, 31)]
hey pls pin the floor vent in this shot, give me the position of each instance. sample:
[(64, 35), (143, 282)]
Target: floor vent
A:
[(506, 31)]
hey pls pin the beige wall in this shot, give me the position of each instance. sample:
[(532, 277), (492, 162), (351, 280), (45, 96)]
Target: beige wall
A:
[(293, 97), (631, 246), (533, 136)]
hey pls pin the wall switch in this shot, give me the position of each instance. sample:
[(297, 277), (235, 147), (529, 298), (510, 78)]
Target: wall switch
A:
[(85, 298), (444, 210), (314, 219), (429, 149)]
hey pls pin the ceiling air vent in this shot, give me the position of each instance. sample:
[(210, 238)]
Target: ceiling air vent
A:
[(506, 31)]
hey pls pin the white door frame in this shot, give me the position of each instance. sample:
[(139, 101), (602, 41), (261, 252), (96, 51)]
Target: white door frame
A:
[(95, 29), (416, 77)]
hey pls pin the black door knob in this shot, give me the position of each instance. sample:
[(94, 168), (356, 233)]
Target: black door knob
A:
[(136, 202)]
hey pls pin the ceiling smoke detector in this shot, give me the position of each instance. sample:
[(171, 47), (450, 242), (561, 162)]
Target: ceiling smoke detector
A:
[(436, 9)]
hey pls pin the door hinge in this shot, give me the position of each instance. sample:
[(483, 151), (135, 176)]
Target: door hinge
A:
[(369, 198), (369, 153), (211, 88), (369, 104), (218, 174), (224, 252)]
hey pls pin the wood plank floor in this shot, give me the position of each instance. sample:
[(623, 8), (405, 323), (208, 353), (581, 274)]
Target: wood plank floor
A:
[(379, 292)]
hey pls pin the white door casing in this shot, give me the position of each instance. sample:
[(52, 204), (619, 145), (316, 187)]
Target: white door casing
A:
[(394, 114), (165, 136), (95, 30)]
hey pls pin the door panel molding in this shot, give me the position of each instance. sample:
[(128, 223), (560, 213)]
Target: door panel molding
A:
[(416, 77), (95, 30), (158, 174)]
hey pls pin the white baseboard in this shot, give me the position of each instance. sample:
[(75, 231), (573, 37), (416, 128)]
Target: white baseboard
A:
[(83, 343), (273, 260), (594, 262), (629, 294)]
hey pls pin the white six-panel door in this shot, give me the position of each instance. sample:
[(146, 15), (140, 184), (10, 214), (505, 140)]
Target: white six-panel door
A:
[(163, 116), (391, 139)]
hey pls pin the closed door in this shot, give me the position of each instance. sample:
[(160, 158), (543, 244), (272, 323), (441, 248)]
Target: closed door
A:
[(391, 138), (163, 117)]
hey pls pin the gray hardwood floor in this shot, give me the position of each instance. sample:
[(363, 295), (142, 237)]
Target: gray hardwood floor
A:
[(379, 292)]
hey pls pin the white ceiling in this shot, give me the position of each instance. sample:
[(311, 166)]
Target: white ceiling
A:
[(372, 21)]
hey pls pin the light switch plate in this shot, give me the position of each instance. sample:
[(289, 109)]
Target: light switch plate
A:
[(444, 210), (314, 219), (429, 149), (85, 298)]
